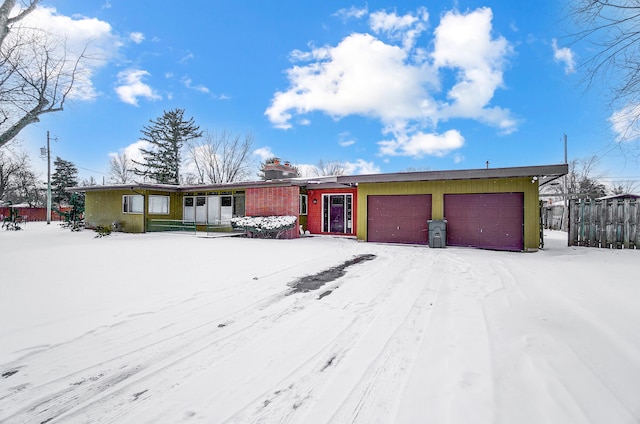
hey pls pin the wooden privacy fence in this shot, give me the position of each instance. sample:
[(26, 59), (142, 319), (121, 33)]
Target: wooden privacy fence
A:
[(34, 214), (611, 223)]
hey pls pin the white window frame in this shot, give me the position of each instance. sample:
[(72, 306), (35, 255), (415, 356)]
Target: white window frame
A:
[(164, 205), (130, 202), (304, 204)]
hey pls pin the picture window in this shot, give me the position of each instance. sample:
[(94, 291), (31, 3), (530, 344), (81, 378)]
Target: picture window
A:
[(132, 203)]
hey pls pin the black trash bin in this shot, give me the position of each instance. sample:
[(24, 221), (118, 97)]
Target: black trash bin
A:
[(437, 232)]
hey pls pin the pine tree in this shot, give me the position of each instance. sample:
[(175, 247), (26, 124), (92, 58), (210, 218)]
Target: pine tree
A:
[(166, 135), (74, 218), (64, 176)]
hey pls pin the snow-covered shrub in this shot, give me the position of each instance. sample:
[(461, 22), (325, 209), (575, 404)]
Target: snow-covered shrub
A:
[(102, 231), (265, 226)]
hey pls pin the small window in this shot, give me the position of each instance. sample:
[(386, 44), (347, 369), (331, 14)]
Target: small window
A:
[(159, 205), (132, 203), (226, 201), (304, 201)]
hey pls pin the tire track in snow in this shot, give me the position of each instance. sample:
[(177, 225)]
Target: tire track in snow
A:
[(106, 407), (375, 397), (376, 386), (105, 387)]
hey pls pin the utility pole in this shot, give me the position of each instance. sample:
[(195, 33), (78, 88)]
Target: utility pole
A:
[(47, 151), (565, 212), (565, 175), (48, 179)]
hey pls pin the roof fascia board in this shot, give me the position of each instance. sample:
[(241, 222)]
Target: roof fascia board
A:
[(466, 174), (546, 173)]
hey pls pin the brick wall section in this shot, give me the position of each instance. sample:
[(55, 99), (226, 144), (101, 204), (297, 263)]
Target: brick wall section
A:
[(314, 218), (277, 201)]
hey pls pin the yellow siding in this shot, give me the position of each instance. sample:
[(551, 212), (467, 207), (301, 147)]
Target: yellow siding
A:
[(175, 205), (438, 189), (104, 207)]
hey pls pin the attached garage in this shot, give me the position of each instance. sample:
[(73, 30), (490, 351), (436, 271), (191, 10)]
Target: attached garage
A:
[(488, 220), (398, 218)]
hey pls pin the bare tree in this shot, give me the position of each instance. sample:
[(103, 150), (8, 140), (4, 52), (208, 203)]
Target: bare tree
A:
[(121, 169), (624, 187), (583, 179), (18, 182), (221, 158), (613, 26), (5, 10), (334, 167), (37, 72), (88, 182), (10, 165), (26, 188)]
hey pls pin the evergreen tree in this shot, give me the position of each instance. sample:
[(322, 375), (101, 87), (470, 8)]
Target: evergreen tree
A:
[(64, 176), (166, 135), (74, 218)]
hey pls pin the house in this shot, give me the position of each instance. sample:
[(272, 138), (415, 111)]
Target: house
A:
[(620, 197), (487, 208)]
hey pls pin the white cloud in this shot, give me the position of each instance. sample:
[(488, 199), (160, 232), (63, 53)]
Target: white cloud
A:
[(419, 144), (351, 12), (391, 78), (131, 87), (187, 57), (77, 34), (345, 139), (361, 167), (136, 37), (564, 55), (201, 88), (133, 151), (264, 153), (382, 21), (307, 170), (405, 28), (625, 124), (463, 42), (362, 76)]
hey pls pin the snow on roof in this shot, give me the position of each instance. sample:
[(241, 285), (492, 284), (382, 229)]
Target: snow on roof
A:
[(620, 196)]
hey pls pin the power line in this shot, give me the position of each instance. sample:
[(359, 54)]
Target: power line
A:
[(92, 170)]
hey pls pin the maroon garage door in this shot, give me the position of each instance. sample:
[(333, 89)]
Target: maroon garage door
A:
[(490, 221), (398, 218)]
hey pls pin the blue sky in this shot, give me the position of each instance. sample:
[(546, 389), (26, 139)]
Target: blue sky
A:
[(382, 86)]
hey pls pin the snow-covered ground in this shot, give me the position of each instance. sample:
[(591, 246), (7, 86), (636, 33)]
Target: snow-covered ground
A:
[(168, 328)]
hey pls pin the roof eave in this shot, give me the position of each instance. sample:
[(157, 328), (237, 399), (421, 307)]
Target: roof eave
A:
[(546, 171)]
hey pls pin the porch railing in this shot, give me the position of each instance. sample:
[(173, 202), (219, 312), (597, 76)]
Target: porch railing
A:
[(156, 225)]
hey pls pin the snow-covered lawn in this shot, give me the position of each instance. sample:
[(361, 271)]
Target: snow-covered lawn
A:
[(168, 328)]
